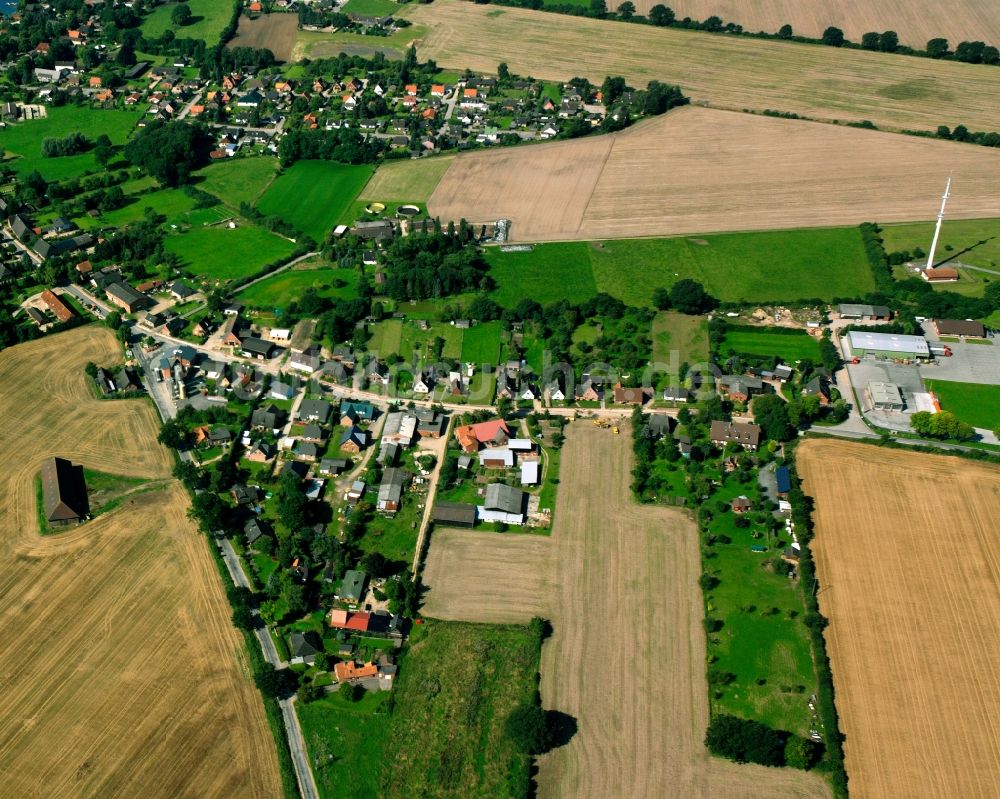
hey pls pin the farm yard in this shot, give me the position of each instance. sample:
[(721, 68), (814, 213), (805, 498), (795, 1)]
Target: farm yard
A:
[(118, 648), (274, 32), (312, 196), (735, 267), (787, 344), (915, 21), (637, 691), (725, 71), (657, 178), (906, 554)]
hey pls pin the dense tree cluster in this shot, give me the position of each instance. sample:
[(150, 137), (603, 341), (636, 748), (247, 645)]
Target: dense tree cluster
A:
[(345, 145), (170, 151), (746, 741), (528, 728), (943, 424), (430, 265), (71, 144)]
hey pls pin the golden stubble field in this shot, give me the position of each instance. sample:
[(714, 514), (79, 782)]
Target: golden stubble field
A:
[(274, 32), (121, 672), (627, 656), (908, 557), (697, 170), (726, 71), (915, 21)]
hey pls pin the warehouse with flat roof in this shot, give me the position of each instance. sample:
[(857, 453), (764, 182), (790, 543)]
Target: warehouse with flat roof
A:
[(884, 396), (887, 345)]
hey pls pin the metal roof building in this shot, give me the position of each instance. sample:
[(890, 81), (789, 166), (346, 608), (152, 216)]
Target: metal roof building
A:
[(887, 345), (885, 396)]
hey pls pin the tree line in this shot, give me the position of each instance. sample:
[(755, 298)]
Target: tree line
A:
[(662, 16)]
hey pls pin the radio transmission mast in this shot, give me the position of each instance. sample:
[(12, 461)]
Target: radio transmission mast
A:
[(937, 227)]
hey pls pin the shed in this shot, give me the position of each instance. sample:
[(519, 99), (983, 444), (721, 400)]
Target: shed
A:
[(456, 514)]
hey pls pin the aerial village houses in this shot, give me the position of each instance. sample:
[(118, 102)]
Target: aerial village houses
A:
[(746, 434)]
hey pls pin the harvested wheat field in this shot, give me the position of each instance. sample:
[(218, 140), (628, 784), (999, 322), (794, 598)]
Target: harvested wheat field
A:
[(122, 674), (915, 21), (696, 170), (627, 656), (725, 71), (478, 596), (274, 32), (907, 553)]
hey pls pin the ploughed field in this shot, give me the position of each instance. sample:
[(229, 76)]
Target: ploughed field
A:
[(696, 170), (627, 656), (122, 673), (726, 71), (908, 558)]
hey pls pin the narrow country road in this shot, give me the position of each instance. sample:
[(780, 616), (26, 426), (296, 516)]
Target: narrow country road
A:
[(440, 448), (277, 271), (296, 741)]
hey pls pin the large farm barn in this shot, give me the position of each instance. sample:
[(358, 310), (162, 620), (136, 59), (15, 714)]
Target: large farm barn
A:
[(64, 492)]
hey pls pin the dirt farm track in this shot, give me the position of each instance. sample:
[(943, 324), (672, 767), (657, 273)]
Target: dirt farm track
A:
[(627, 656), (908, 558), (696, 170), (121, 673)]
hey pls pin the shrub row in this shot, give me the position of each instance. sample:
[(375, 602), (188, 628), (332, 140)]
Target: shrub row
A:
[(802, 508)]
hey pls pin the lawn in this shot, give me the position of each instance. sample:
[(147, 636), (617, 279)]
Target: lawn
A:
[(446, 730), (289, 286), (771, 266), (774, 266), (395, 537), (313, 195), (977, 404), (371, 8), (238, 180), (222, 253), (386, 337), (171, 203), (412, 180), (970, 241), (24, 139), (790, 347), (481, 344), (763, 637), (346, 741), (209, 18), (415, 340), (677, 332), (547, 273)]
